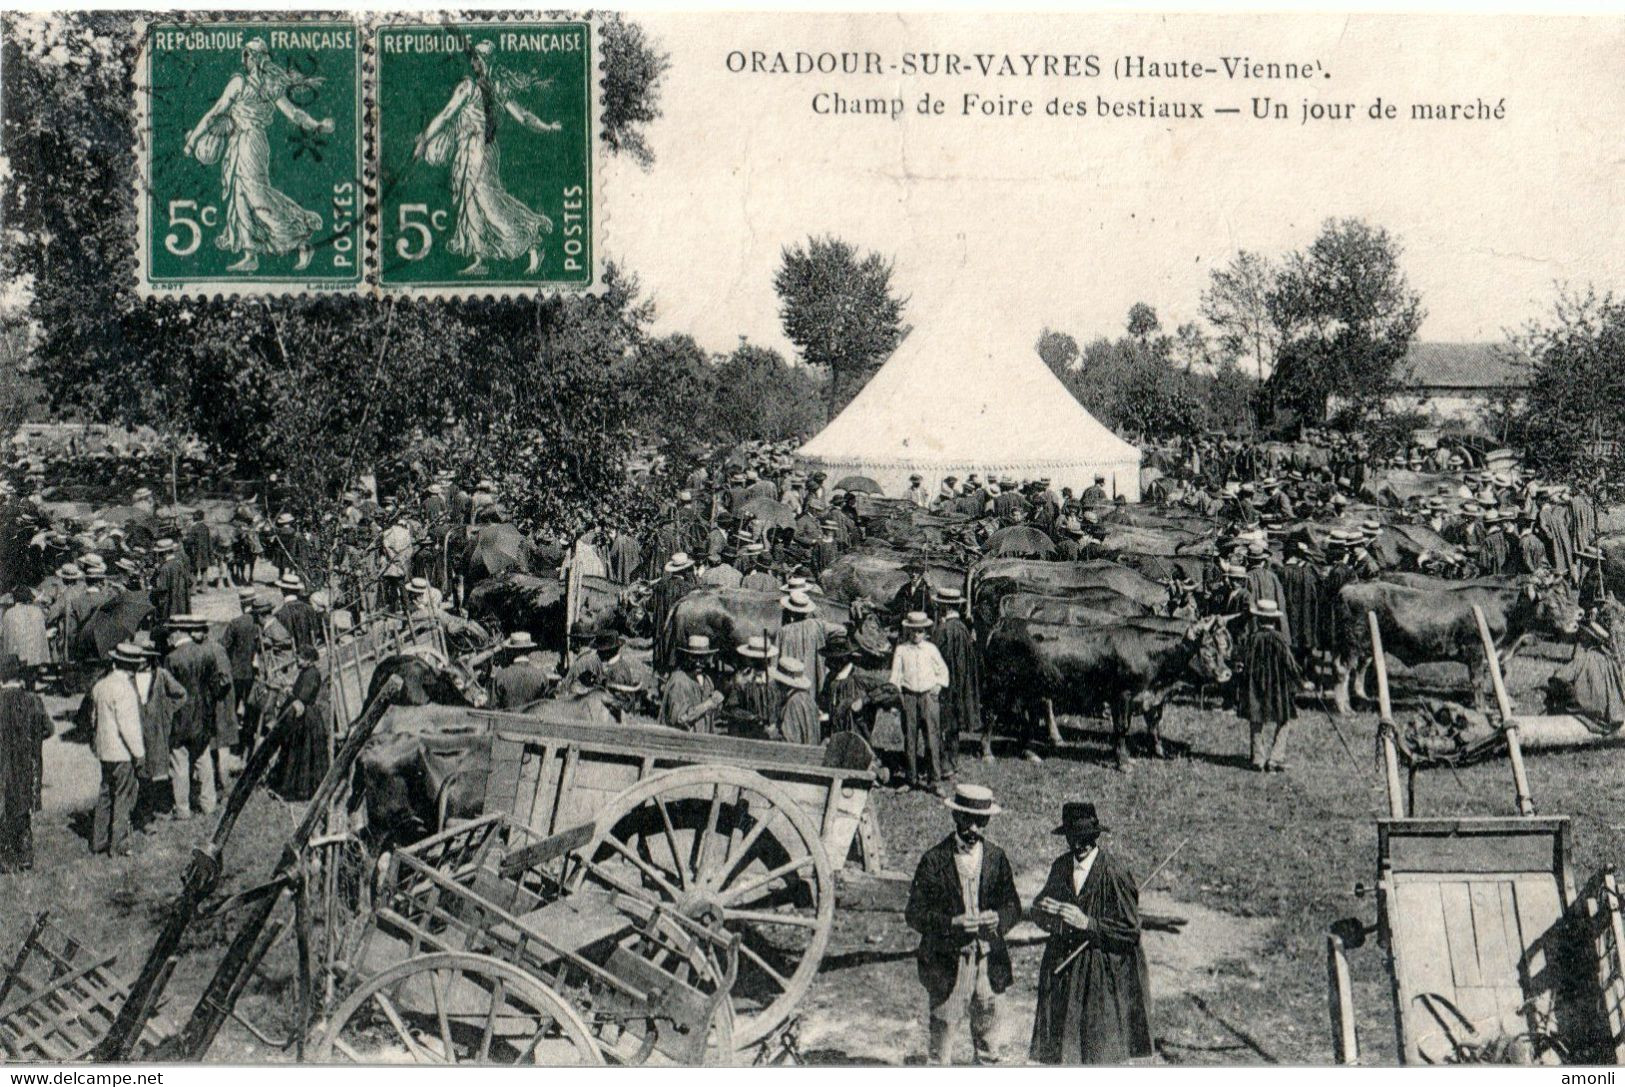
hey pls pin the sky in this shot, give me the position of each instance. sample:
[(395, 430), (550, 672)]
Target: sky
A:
[(1066, 222)]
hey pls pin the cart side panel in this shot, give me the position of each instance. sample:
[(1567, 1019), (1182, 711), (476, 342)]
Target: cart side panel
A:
[(1598, 908)]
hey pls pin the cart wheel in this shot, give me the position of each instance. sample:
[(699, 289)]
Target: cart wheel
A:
[(456, 1008), (725, 844)]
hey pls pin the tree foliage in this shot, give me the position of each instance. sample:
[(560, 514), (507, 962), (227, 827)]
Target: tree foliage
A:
[(1572, 423), (1142, 322), (312, 392), (1059, 351), (1236, 304), (1345, 315), (837, 306)]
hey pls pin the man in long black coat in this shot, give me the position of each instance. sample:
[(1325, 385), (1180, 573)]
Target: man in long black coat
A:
[(24, 728), (1267, 682), (1094, 994), (1301, 584), (676, 582), (961, 705), (962, 902), (171, 584)]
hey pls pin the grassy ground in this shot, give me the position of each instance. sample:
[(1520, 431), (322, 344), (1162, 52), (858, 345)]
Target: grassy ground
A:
[(1270, 863)]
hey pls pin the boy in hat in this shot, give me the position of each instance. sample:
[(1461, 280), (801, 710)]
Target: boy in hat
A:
[(962, 901), (116, 716), (1267, 680), (843, 696), (690, 698), (1094, 995), (920, 674), (798, 712)]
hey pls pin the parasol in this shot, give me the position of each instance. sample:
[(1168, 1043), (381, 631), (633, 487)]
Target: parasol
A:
[(768, 511), (859, 484), (1020, 541)]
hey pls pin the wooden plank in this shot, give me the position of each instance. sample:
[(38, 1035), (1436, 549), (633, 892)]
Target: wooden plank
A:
[(1458, 930), (1497, 962), (1511, 932), (1539, 910), (1419, 931), (1494, 847)]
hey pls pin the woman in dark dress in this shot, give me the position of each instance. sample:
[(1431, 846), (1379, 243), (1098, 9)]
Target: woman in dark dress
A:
[(305, 759)]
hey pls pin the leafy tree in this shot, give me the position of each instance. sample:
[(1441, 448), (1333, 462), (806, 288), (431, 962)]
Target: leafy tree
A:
[(1345, 314), (1236, 303), (761, 396), (311, 391), (673, 388), (1573, 423), (1142, 322), (1059, 351), (837, 306), (1190, 347)]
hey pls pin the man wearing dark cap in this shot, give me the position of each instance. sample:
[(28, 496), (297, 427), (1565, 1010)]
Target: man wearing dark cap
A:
[(961, 705), (1095, 493), (962, 902), (1093, 990), (915, 594), (521, 680)]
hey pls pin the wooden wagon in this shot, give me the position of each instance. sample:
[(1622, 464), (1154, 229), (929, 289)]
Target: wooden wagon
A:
[(486, 944), (1494, 955), (749, 832)]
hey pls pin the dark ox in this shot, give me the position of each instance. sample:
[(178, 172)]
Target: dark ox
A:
[(1085, 607), (878, 576), (423, 682), (1421, 624), (1125, 668), (731, 616), (424, 766), (993, 580)]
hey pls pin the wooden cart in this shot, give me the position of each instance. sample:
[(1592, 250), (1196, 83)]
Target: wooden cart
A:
[(749, 832), (489, 945), (1493, 953), (59, 998)]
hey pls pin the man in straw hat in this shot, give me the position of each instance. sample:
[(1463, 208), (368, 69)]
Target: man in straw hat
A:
[(521, 680), (1094, 996), (690, 698), (119, 747), (919, 673), (676, 581), (1267, 680), (798, 710), (171, 583), (962, 902), (753, 700), (296, 615), (801, 632), (199, 728)]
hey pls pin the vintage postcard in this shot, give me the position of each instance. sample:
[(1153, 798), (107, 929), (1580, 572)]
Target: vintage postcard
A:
[(846, 539)]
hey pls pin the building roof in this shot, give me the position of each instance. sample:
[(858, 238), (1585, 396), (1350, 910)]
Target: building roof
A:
[(1463, 366)]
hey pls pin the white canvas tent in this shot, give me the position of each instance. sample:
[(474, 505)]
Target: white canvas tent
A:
[(951, 403)]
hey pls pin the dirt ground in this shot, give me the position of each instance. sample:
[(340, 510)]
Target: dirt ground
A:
[(1270, 861)]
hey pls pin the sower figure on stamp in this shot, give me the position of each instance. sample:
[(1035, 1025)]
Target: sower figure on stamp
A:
[(259, 218), (962, 902), (1093, 988), (491, 222)]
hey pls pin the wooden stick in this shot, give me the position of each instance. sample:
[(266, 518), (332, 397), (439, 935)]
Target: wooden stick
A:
[(1390, 755), (1345, 1045), (1509, 723)]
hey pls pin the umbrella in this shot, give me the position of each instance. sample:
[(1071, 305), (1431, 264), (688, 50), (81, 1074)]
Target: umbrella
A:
[(860, 484), (115, 620), (1020, 541), (767, 510), (497, 548)]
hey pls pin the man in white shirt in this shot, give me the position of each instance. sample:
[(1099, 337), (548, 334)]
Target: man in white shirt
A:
[(116, 708), (920, 673)]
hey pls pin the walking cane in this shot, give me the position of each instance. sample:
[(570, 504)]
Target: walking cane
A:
[(1144, 883)]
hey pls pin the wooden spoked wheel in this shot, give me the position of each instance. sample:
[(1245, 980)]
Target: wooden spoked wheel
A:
[(726, 847), (456, 1008)]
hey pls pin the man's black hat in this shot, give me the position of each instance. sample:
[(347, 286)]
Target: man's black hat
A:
[(1078, 817)]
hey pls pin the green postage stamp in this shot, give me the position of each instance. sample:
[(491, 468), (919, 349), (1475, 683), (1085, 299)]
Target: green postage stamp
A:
[(249, 156), (485, 136)]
